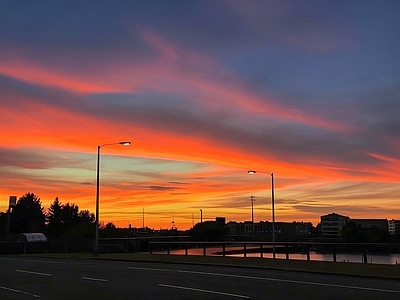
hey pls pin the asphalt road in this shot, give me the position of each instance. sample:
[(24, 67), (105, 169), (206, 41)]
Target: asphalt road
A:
[(29, 278)]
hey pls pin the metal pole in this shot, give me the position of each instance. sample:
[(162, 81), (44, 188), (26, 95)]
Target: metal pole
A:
[(273, 207), (273, 215), (252, 199), (11, 204), (8, 222), (96, 239)]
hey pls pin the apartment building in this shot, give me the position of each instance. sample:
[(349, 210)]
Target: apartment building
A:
[(332, 224), (394, 226)]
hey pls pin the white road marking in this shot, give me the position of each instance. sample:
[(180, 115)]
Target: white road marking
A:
[(273, 279), (203, 291), (34, 273), (95, 279), (152, 269), (20, 292), (35, 260)]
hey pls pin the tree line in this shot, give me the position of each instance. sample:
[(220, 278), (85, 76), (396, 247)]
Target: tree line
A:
[(58, 221), (67, 221), (353, 233)]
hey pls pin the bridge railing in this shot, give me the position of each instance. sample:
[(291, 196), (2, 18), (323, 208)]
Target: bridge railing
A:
[(287, 248)]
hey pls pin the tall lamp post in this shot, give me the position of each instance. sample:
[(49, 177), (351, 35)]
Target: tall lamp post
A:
[(273, 207), (96, 239)]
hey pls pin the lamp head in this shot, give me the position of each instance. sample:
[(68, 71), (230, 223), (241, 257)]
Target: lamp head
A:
[(252, 172), (125, 143)]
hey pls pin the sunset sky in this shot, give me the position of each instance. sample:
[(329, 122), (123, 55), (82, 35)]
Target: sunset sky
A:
[(204, 90)]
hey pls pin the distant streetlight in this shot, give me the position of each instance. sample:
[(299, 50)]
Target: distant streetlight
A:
[(252, 200), (96, 239), (143, 218), (273, 207)]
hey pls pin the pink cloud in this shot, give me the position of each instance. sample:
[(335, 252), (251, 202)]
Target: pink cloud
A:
[(175, 70), (216, 90), (36, 74)]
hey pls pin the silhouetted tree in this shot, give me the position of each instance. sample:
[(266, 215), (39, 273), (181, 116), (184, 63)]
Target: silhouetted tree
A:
[(70, 215), (65, 220), (86, 217), (86, 224), (377, 235), (54, 218), (3, 222), (27, 215), (352, 233), (208, 231), (109, 230), (110, 225), (316, 231), (397, 236)]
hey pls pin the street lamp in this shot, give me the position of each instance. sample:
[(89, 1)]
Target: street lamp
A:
[(273, 207), (96, 239)]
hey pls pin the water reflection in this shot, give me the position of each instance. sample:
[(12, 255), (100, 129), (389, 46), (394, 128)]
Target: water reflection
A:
[(389, 259)]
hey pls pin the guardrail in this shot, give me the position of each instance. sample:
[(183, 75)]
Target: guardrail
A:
[(280, 247)]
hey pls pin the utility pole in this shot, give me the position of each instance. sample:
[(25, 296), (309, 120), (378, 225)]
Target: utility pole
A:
[(252, 200), (143, 218), (201, 216), (173, 221), (11, 203)]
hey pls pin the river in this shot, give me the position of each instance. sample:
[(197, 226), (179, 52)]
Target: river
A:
[(388, 259)]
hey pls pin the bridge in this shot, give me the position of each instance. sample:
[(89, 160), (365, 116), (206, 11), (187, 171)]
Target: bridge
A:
[(159, 276)]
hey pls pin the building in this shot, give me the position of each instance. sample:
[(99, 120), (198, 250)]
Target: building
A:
[(234, 227), (265, 227), (394, 226), (220, 220), (332, 224), (369, 223), (303, 228), (242, 228)]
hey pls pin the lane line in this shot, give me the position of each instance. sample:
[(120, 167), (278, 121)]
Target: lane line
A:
[(33, 273), (94, 279), (274, 279), (203, 291), (152, 269), (20, 292)]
